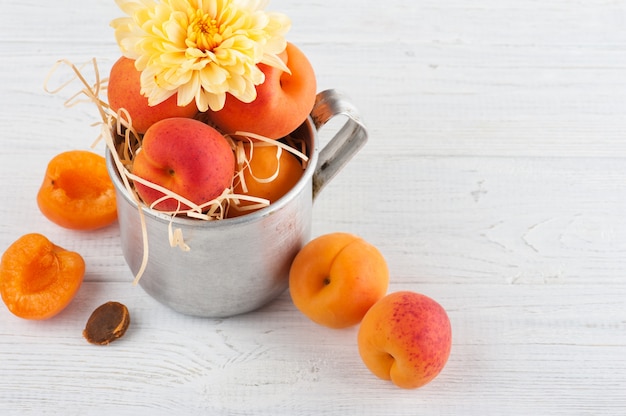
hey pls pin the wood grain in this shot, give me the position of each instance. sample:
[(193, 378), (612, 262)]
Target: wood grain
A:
[(493, 181)]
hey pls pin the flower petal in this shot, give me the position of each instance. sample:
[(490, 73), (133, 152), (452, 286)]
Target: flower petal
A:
[(201, 49)]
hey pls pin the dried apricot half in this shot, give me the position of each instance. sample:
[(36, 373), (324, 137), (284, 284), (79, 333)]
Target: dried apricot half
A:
[(38, 279), (77, 192)]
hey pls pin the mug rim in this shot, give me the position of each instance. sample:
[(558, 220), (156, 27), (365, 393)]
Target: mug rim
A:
[(307, 176)]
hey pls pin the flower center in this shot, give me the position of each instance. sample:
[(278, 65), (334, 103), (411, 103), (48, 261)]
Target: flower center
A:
[(204, 31)]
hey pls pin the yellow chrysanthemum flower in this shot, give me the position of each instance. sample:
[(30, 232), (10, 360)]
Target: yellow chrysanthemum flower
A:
[(200, 49)]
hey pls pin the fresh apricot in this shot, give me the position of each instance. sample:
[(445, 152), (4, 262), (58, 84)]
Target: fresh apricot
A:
[(405, 337), (269, 174), (336, 278), (124, 91), (283, 101), (188, 158), (38, 279), (77, 192)]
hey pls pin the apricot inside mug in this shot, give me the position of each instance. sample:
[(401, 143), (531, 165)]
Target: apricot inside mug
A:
[(236, 265)]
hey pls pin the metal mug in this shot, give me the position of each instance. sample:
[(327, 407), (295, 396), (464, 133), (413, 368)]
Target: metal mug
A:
[(237, 265)]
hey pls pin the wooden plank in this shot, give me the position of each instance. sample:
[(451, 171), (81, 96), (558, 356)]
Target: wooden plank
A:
[(492, 182), (514, 356)]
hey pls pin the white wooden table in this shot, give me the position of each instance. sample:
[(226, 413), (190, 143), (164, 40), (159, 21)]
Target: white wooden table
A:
[(494, 181)]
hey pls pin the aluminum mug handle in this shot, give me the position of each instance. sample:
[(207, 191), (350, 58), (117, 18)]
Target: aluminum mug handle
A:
[(345, 143)]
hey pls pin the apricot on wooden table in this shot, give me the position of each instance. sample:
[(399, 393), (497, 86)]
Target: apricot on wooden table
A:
[(124, 91), (405, 337), (38, 279), (77, 192), (270, 173), (336, 278)]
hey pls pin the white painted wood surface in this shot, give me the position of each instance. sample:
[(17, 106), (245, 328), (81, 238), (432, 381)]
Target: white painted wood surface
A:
[(494, 181)]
